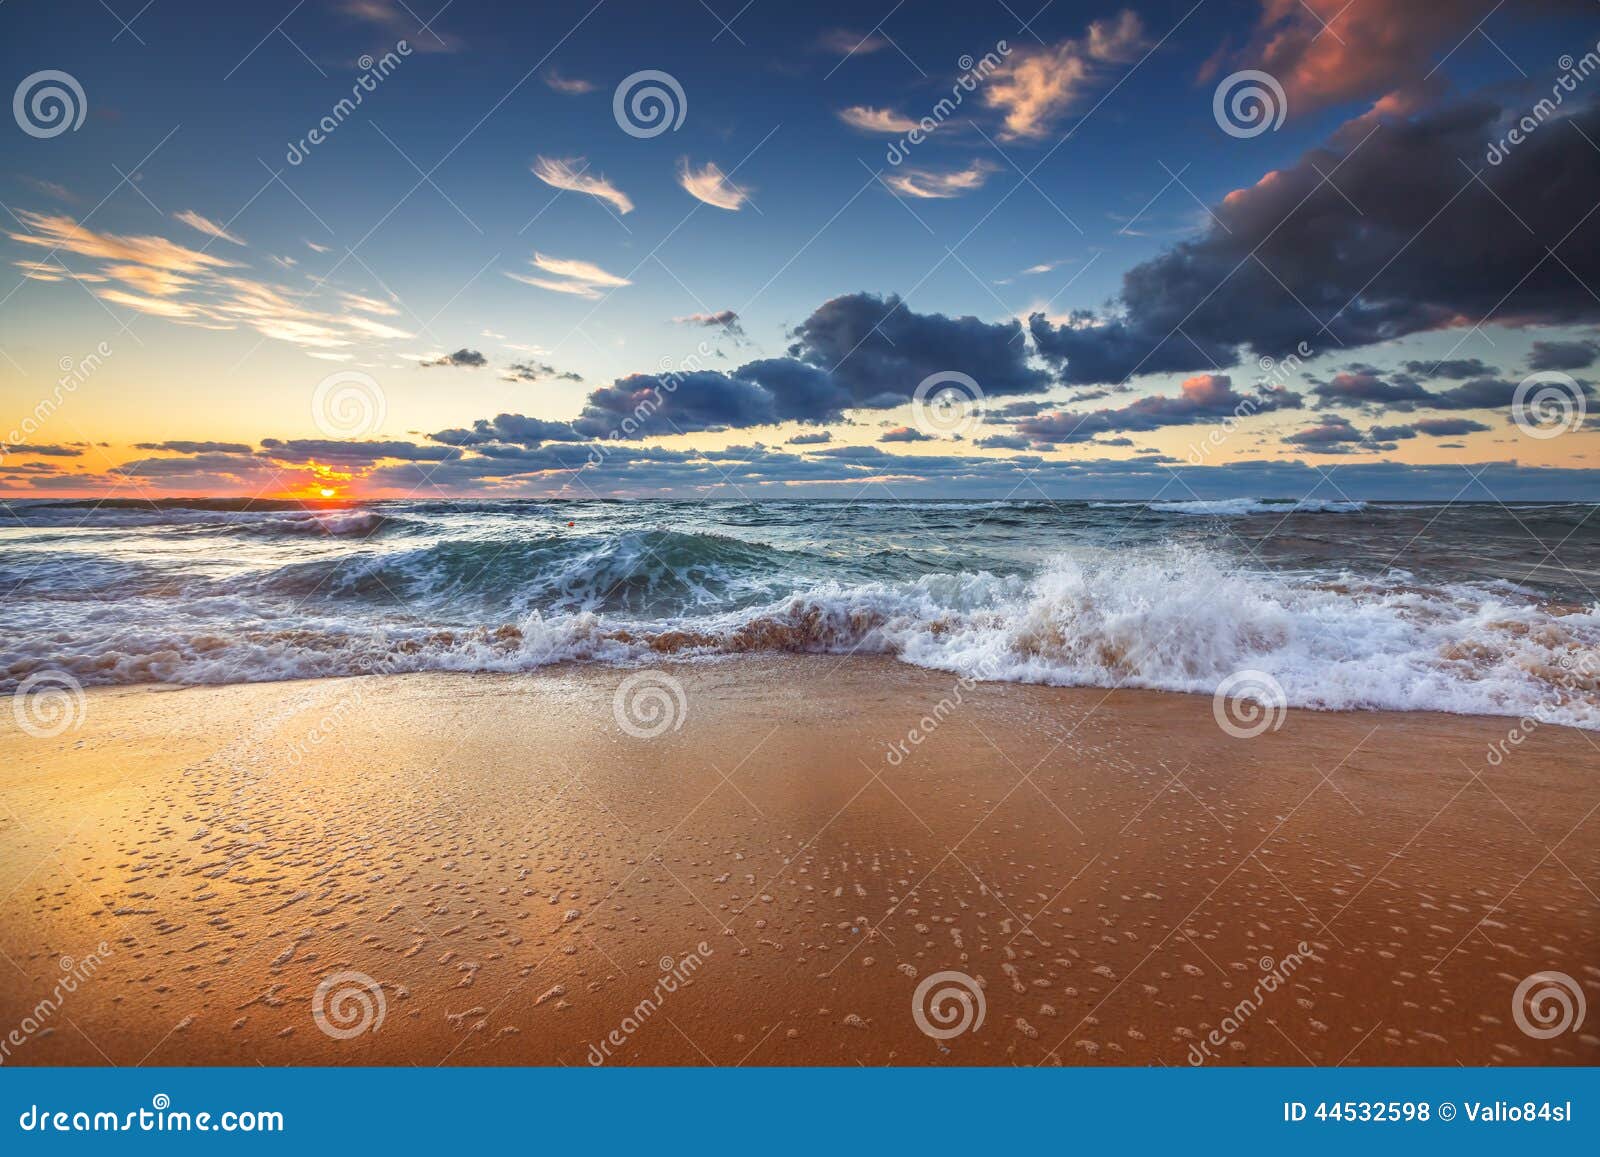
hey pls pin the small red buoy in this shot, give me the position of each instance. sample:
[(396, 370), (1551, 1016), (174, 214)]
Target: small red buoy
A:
[(572, 524)]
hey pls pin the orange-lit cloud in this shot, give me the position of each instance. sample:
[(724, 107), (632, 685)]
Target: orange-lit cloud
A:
[(1037, 85)]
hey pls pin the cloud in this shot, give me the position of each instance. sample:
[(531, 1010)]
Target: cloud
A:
[(369, 305), (1450, 368), (537, 372), (342, 453), (572, 175), (1003, 442), (1364, 386), (904, 434), (879, 351), (1330, 51), (711, 185), (580, 278), (398, 22), (1336, 435), (1036, 85), (1202, 398), (818, 438), (1288, 255), (207, 226), (723, 319), (1563, 355), (462, 358), (847, 43), (571, 85), (508, 429), (63, 234), (877, 120), (1432, 427), (183, 447), (929, 185), (44, 450)]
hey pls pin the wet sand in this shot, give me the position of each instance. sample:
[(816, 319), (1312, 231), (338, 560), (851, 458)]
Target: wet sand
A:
[(491, 870)]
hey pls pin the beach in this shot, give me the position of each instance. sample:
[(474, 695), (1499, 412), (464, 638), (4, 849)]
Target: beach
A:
[(761, 860)]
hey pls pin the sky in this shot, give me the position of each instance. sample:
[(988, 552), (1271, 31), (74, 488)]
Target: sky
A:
[(715, 249)]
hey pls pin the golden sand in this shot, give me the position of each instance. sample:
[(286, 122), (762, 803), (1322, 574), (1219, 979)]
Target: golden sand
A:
[(491, 870)]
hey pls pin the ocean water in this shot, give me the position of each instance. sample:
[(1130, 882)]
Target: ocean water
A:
[(1480, 609)]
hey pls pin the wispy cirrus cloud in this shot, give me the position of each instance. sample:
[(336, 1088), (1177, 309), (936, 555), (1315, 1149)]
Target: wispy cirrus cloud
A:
[(569, 275), (207, 226), (876, 120), (711, 185), (573, 176), (1037, 85), (929, 185)]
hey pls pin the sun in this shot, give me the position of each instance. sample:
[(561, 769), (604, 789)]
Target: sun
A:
[(327, 492)]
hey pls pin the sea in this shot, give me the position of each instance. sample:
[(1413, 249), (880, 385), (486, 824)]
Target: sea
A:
[(1404, 606)]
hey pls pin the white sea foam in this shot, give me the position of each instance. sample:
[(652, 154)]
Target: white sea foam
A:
[(1177, 619)]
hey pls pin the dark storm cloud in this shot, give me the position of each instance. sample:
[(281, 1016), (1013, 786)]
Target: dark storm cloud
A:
[(514, 429), (1428, 248), (1563, 355), (877, 349), (465, 358), (1202, 398)]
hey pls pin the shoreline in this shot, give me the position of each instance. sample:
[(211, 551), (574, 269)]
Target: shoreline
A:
[(516, 875)]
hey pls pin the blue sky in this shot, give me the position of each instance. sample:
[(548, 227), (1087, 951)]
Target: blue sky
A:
[(1092, 151)]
